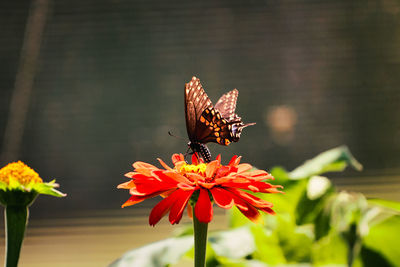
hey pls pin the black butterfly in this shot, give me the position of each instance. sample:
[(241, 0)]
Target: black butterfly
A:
[(205, 123)]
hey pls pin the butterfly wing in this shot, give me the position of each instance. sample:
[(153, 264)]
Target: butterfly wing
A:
[(204, 123), (226, 105), (196, 101)]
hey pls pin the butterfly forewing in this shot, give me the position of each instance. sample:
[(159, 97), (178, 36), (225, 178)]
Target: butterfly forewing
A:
[(196, 101)]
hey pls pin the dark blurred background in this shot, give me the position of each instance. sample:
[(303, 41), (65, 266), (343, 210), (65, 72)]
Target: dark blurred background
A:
[(88, 87)]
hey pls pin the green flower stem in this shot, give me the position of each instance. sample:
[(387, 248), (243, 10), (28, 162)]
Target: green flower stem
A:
[(15, 220), (200, 242)]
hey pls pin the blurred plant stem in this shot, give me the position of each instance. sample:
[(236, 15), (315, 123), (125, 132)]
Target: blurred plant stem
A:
[(200, 242), (16, 218), (24, 79), (354, 244)]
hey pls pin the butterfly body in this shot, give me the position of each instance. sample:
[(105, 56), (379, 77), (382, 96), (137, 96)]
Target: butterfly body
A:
[(202, 149), (207, 123)]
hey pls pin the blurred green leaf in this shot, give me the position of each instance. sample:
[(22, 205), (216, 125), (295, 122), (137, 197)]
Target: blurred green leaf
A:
[(386, 203), (268, 248), (329, 250), (383, 238), (286, 202), (317, 186), (295, 241), (340, 213), (161, 253), (293, 190), (333, 160), (237, 219), (280, 175), (372, 258), (211, 256), (233, 244), (239, 263), (313, 199)]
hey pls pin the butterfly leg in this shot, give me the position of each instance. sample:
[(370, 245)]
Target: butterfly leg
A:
[(188, 152)]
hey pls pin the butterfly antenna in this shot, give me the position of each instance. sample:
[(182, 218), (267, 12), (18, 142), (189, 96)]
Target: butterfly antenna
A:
[(171, 134), (248, 124)]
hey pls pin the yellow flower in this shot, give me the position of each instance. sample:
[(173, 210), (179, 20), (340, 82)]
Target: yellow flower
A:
[(20, 172), (201, 168), (18, 178), (19, 187)]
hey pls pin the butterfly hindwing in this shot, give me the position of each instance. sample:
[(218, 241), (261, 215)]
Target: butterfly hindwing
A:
[(226, 105)]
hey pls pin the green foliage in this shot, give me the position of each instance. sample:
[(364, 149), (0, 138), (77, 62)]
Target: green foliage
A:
[(161, 253), (333, 160), (383, 239), (315, 226)]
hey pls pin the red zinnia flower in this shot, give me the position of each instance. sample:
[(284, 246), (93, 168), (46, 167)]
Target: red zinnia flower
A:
[(202, 183)]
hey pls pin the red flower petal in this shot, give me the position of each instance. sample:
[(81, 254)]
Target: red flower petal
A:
[(195, 158), (167, 177), (150, 187), (222, 171), (194, 177), (167, 193), (177, 157), (162, 208), (218, 159), (186, 187), (211, 168), (233, 160), (164, 164), (129, 174), (245, 184), (144, 168), (268, 210), (203, 208), (175, 215), (249, 198), (206, 185), (179, 178), (222, 197), (243, 167), (251, 213), (190, 211), (134, 200), (143, 165), (126, 185), (263, 173)]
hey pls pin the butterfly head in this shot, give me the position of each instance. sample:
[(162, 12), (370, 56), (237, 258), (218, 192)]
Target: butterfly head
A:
[(236, 130)]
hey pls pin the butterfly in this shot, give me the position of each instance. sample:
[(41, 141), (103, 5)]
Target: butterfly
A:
[(207, 123)]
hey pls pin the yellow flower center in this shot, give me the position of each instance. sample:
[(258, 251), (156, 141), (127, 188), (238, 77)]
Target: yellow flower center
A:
[(20, 172), (200, 168)]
